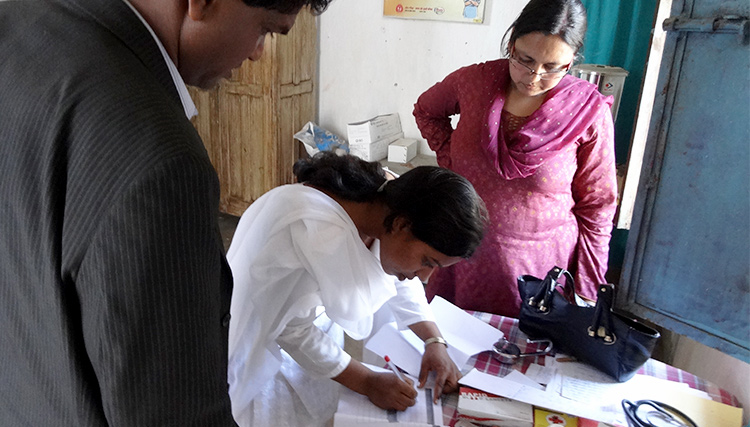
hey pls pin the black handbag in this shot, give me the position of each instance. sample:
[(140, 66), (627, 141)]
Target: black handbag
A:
[(608, 341)]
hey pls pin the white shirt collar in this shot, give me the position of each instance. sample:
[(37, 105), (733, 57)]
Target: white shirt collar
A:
[(187, 102)]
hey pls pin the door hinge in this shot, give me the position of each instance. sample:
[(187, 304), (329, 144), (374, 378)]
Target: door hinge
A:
[(727, 24)]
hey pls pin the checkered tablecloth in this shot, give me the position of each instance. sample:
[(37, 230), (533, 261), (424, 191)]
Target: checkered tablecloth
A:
[(484, 362)]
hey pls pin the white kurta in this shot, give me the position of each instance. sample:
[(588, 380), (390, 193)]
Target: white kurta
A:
[(296, 249)]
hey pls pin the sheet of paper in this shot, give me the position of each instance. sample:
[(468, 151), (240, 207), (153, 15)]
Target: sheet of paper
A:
[(389, 341), (457, 355), (545, 399), (356, 410), (540, 374), (413, 340), (340, 420), (517, 376), (466, 335), (583, 383)]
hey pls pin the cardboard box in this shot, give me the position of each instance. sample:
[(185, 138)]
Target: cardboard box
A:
[(483, 408), (402, 150), (375, 151), (373, 130)]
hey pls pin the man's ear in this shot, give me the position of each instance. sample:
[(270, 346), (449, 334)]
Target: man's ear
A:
[(401, 223), (197, 9)]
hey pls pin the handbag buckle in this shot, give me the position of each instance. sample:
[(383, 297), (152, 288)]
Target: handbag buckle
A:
[(507, 352), (539, 306), (609, 339)]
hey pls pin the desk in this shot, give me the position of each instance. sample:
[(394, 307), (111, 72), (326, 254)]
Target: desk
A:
[(486, 363)]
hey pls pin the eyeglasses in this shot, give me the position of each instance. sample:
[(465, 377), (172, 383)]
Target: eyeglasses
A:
[(547, 75)]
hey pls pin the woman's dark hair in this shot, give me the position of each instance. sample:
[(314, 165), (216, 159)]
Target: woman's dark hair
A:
[(564, 18), (442, 207), (290, 6)]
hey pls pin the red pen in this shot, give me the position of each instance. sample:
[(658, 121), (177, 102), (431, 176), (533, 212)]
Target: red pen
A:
[(394, 368)]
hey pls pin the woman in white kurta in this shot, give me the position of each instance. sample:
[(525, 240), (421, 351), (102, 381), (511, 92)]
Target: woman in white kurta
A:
[(344, 242)]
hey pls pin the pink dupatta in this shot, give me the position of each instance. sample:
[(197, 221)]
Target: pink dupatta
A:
[(565, 113)]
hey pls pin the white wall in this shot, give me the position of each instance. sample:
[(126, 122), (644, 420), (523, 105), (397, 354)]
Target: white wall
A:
[(371, 64)]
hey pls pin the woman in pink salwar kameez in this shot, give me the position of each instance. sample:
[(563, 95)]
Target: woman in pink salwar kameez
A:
[(538, 146)]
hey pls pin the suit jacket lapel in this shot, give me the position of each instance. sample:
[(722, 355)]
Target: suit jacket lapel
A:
[(117, 17)]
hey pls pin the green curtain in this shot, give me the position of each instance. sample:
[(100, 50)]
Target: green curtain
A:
[(619, 33)]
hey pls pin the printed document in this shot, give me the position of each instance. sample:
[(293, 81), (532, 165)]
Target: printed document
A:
[(356, 410)]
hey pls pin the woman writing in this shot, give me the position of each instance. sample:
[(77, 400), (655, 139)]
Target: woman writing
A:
[(346, 241), (538, 146)]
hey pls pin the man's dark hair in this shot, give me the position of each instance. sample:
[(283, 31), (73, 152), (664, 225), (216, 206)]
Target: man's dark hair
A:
[(290, 6)]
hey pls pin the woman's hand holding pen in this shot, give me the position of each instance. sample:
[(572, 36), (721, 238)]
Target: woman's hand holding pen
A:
[(387, 391)]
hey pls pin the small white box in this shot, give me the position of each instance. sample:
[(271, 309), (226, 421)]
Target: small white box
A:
[(402, 150), (375, 151), (374, 129)]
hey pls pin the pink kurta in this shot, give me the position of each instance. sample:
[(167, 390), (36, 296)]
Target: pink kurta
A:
[(550, 188)]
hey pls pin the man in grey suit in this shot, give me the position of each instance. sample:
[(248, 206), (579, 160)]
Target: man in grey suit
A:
[(114, 288)]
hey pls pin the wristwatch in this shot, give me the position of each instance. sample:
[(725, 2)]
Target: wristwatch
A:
[(439, 340)]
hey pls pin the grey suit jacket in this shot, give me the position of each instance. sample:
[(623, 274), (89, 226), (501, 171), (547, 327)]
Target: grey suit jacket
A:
[(114, 288)]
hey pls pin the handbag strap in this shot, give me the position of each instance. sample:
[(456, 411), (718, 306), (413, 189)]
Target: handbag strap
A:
[(603, 325), (549, 284)]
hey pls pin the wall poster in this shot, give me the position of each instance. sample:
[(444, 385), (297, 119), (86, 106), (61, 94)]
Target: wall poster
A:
[(440, 10)]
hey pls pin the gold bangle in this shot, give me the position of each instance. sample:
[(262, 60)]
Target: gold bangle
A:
[(440, 340)]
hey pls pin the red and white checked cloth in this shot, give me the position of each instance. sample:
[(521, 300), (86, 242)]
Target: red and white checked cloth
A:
[(484, 362)]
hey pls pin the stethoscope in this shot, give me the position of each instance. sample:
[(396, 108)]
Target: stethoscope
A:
[(663, 415)]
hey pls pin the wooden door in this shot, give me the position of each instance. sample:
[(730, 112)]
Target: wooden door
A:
[(247, 123)]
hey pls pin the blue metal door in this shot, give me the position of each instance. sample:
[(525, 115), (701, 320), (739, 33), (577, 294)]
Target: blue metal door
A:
[(687, 263)]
